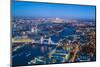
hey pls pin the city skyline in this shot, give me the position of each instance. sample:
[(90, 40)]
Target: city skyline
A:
[(38, 9)]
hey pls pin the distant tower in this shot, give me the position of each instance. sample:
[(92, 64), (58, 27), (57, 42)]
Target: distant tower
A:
[(34, 29)]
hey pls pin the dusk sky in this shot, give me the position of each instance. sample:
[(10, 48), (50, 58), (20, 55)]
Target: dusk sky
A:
[(37, 9)]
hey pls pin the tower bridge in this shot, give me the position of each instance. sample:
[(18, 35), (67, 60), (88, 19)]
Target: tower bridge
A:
[(46, 40)]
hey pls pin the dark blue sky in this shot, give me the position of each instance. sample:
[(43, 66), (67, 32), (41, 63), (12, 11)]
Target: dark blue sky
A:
[(35, 9)]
